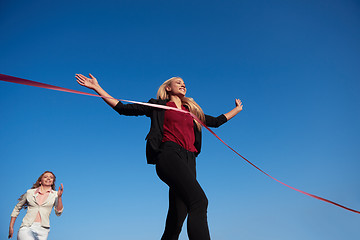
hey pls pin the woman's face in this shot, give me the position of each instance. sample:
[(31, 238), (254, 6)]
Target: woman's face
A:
[(177, 87), (47, 179)]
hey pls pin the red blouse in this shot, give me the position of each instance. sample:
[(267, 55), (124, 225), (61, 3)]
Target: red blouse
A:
[(179, 128)]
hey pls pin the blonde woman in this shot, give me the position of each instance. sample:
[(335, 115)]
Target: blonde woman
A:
[(173, 143), (39, 201)]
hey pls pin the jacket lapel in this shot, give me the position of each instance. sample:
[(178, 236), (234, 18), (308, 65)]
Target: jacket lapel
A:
[(34, 195)]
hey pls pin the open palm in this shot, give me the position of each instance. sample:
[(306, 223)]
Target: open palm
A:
[(91, 82)]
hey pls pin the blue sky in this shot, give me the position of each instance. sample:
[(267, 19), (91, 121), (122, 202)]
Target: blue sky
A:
[(295, 66)]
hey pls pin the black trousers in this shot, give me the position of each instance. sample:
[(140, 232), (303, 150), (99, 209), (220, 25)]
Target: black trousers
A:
[(177, 168)]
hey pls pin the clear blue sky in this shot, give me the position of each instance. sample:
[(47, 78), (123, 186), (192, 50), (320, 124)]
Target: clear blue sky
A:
[(294, 64)]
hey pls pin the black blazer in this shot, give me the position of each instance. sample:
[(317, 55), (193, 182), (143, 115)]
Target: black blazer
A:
[(156, 132)]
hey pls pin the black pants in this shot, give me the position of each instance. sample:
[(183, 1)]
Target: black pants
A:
[(177, 168)]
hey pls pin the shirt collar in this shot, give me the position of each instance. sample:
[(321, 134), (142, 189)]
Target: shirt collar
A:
[(38, 190)]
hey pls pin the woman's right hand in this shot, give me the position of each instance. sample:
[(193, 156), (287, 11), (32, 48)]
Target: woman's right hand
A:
[(91, 82), (11, 227), (11, 232)]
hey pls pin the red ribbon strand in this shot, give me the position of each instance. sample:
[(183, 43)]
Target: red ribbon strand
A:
[(17, 80)]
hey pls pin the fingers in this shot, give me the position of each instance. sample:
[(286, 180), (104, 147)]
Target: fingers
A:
[(238, 104), (80, 76), (61, 190), (91, 76), (80, 79), (81, 83)]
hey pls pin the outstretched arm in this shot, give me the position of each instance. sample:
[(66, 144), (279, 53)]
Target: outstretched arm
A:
[(93, 84), (236, 110)]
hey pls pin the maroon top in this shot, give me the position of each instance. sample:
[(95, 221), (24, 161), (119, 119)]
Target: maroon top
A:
[(179, 128)]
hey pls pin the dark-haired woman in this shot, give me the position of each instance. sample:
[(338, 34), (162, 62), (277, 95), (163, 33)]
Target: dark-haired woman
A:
[(39, 201), (172, 144)]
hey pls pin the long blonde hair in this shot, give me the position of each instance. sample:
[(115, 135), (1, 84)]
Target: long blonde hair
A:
[(193, 107)]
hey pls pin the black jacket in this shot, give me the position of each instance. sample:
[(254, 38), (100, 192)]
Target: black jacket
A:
[(156, 132)]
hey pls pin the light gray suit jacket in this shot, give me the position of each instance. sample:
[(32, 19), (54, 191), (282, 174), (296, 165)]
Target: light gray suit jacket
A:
[(33, 208)]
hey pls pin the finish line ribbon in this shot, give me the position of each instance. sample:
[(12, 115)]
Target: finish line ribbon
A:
[(17, 80)]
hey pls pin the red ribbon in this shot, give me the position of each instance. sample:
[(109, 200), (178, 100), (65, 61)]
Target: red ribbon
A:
[(17, 80)]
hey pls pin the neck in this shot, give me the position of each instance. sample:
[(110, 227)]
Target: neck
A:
[(176, 100), (45, 188)]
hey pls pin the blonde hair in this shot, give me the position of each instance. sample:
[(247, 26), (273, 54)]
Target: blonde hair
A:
[(193, 107)]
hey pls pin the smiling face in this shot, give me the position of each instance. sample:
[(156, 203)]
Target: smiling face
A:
[(176, 87), (47, 179)]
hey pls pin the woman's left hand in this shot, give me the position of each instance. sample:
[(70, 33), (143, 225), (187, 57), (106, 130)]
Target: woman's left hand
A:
[(61, 190)]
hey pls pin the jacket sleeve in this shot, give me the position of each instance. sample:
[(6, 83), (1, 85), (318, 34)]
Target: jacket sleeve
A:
[(132, 109), (215, 121), (58, 213), (19, 206)]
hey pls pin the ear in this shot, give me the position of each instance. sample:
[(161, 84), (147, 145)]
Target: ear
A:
[(168, 88)]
